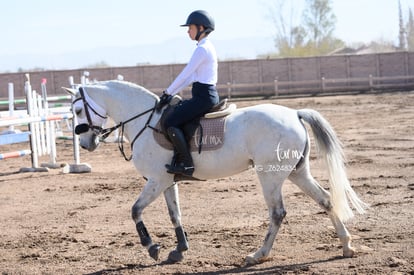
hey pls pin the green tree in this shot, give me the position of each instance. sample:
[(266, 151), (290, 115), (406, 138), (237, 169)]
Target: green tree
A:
[(319, 21), (285, 30), (313, 37)]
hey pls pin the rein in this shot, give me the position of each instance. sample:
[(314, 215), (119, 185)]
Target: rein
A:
[(104, 133)]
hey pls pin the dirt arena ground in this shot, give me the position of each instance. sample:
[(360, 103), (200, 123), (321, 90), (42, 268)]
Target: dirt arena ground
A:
[(55, 223)]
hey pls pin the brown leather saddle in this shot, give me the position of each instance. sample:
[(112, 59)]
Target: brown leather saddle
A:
[(203, 134)]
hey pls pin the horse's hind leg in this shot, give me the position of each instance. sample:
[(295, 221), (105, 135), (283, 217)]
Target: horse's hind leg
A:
[(304, 180), (272, 191), (173, 204)]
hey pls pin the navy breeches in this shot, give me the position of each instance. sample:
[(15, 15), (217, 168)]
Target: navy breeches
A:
[(204, 97)]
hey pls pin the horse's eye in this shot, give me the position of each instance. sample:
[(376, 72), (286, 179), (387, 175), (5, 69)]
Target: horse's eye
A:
[(78, 110)]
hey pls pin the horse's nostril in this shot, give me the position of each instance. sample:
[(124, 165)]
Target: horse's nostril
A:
[(81, 128)]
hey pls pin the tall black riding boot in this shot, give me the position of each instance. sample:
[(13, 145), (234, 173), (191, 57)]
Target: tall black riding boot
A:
[(184, 162)]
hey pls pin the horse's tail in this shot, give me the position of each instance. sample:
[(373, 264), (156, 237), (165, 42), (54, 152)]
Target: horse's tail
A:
[(330, 148)]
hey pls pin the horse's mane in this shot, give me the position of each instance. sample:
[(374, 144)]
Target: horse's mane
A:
[(126, 87)]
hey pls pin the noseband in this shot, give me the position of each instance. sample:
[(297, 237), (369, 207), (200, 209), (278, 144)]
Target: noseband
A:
[(104, 133)]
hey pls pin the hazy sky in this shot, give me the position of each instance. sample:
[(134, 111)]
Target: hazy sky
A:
[(52, 26)]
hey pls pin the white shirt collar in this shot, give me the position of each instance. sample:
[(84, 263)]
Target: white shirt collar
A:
[(202, 41)]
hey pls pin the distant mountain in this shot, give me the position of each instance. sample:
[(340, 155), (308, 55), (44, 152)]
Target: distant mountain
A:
[(176, 50)]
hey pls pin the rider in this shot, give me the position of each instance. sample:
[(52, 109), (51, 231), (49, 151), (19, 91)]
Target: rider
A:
[(201, 71)]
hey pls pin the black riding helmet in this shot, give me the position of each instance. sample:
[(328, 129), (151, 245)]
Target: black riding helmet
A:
[(200, 18)]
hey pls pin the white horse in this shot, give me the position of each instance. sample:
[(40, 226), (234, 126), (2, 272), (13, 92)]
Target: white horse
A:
[(268, 138)]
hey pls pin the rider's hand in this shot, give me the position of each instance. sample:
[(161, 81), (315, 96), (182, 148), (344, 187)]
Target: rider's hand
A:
[(164, 100)]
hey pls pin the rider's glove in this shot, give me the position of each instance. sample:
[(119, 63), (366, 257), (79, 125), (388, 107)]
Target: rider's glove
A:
[(164, 100)]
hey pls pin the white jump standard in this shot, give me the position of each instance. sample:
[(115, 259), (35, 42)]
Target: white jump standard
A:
[(42, 131)]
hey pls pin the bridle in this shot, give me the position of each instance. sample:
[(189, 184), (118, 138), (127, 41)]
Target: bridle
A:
[(83, 128), (104, 133)]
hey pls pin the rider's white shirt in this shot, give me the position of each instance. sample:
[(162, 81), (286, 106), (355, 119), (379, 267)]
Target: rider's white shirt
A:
[(202, 68)]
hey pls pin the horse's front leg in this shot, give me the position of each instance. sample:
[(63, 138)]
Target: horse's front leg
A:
[(173, 203), (151, 191)]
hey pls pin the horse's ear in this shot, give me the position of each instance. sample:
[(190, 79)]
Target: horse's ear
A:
[(70, 91)]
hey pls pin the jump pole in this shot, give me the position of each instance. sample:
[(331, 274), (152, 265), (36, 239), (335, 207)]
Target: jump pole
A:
[(23, 120), (17, 138), (15, 154), (76, 167)]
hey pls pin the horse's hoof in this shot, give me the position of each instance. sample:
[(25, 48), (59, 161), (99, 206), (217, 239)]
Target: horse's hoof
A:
[(251, 260), (349, 253), (154, 251), (175, 256)]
